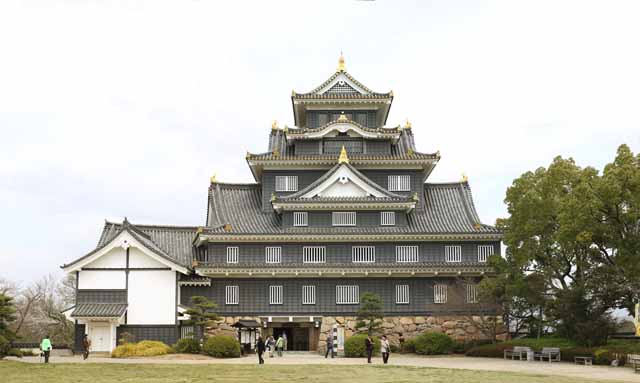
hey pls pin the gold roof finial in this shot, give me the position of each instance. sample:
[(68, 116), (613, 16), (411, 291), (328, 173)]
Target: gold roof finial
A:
[(341, 63), (274, 125), (343, 118), (407, 124), (343, 159), (465, 178), (213, 178)]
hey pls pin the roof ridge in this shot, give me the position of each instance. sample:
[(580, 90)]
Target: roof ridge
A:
[(447, 183), (152, 226)]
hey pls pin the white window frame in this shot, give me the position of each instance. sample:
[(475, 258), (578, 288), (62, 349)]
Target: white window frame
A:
[(343, 218), (300, 218), (402, 294), (387, 218), (233, 254), (275, 295), (472, 293), (401, 183), (363, 254), (314, 254), (308, 295), (407, 253), (273, 254), (453, 254), (439, 293), (347, 295), (286, 183), (484, 252), (232, 295)]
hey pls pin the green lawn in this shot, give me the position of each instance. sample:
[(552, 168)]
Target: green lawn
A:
[(123, 373)]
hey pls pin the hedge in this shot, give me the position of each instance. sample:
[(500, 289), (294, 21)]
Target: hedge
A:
[(433, 343), (354, 346), (187, 346), (144, 348), (222, 346)]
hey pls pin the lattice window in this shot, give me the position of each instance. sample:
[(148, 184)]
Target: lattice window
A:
[(308, 295), (363, 254), (347, 295), (341, 87), (484, 252), (407, 254), (453, 253), (400, 183), (300, 218), (186, 332), (387, 218), (439, 293), (273, 254), (275, 295), (286, 183), (472, 294), (232, 254), (402, 294), (314, 254), (343, 218), (232, 295)]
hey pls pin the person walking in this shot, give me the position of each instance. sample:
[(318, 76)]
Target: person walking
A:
[(260, 350), (271, 344), (86, 346), (279, 345), (46, 347), (284, 341), (329, 346), (368, 344), (385, 349)]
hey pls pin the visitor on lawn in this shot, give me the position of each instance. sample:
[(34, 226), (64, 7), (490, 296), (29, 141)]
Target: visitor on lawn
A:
[(271, 344), (385, 349), (279, 345), (86, 346), (368, 343), (260, 350), (46, 347), (329, 346), (285, 341)]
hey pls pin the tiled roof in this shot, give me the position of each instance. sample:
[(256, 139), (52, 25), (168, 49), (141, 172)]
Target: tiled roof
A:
[(302, 131), (330, 94), (102, 310)]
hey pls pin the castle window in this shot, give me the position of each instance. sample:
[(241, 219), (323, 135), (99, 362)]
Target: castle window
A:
[(273, 254), (387, 218), (275, 295), (453, 253), (343, 218), (363, 254), (314, 254), (232, 295), (439, 293), (402, 294), (472, 294), (308, 295), (399, 183), (286, 183), (347, 295), (484, 252), (300, 218), (407, 254), (232, 254)]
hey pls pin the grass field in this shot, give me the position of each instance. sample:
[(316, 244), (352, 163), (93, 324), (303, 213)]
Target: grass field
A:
[(128, 373)]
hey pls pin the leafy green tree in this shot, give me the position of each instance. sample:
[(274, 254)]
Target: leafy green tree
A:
[(370, 313), (7, 315), (201, 313)]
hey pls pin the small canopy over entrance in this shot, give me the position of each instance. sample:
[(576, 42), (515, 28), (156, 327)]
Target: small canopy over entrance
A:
[(247, 323), (247, 333)]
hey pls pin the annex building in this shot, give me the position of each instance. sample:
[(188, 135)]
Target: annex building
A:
[(340, 205)]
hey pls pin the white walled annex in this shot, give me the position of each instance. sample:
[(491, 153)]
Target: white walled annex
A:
[(138, 259), (152, 297), (102, 279), (115, 258)]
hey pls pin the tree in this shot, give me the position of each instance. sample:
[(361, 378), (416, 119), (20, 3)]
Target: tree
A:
[(7, 315), (370, 313), (490, 299), (201, 314)]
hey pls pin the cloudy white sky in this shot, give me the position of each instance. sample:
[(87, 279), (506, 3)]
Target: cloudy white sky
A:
[(113, 109)]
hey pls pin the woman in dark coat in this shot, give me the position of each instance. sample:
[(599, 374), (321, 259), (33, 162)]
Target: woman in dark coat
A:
[(368, 343), (260, 350)]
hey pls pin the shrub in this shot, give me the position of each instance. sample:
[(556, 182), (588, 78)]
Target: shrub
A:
[(28, 352), (222, 346), (5, 346), (409, 346), (603, 356), (187, 346), (354, 347), (15, 352), (489, 350), (433, 343), (144, 348)]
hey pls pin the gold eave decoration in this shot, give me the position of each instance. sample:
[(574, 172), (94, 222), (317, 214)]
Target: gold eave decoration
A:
[(227, 227), (343, 159), (214, 179), (274, 125)]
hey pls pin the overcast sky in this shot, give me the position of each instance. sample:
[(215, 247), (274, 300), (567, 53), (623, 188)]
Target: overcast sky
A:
[(110, 110)]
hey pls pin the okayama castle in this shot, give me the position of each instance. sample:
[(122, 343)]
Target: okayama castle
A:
[(340, 205)]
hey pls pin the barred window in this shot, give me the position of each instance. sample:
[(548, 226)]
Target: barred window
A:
[(300, 218), (472, 294), (402, 294), (275, 295), (363, 254), (286, 183), (347, 295), (314, 254), (439, 293), (407, 254), (308, 295), (484, 252), (232, 295), (387, 218), (400, 183), (232, 254), (343, 218), (186, 332), (272, 254), (453, 253)]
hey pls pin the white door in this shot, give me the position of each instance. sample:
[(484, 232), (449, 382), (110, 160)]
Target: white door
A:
[(100, 336)]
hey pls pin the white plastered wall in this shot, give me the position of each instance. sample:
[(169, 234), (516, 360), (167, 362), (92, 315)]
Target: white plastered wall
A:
[(152, 297), (100, 279), (116, 258), (138, 259)]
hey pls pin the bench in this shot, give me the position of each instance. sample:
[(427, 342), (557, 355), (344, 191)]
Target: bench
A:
[(635, 361), (586, 360), (517, 352), (550, 353)]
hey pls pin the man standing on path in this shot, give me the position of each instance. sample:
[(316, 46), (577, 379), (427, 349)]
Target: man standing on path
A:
[(46, 347), (329, 346), (279, 345), (368, 343), (260, 350), (86, 346), (385, 349)]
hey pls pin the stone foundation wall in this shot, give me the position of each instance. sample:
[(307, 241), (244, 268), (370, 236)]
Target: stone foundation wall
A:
[(223, 326)]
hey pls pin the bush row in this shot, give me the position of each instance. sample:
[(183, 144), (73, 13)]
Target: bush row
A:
[(144, 348)]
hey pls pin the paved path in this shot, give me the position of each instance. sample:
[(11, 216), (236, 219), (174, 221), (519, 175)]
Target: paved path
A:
[(597, 373)]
